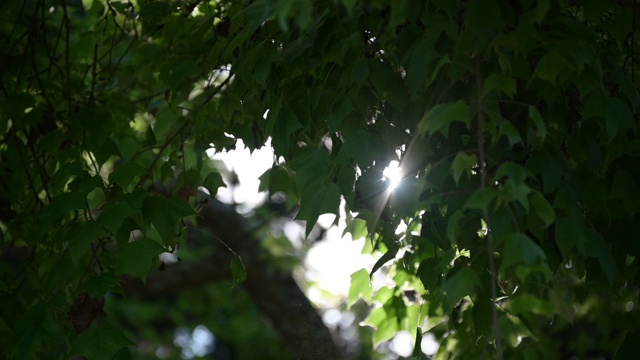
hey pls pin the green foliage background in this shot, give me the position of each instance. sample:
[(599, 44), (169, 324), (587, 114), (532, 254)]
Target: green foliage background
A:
[(515, 123)]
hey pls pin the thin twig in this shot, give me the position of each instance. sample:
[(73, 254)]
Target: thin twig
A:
[(489, 236)]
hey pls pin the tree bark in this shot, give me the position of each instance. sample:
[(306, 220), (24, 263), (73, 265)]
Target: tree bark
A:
[(275, 293)]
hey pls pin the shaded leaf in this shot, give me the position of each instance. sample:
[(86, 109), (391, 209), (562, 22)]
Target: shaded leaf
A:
[(317, 201), (82, 237), (543, 209), (519, 249), (530, 304), (597, 247), (124, 174), (617, 116), (550, 66), (238, 272), (212, 182), (508, 130), (538, 122), (500, 83), (100, 342), (461, 284), (388, 256), (481, 198), (137, 257)]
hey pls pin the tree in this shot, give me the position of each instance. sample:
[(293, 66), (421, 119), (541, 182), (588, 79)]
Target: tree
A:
[(511, 234)]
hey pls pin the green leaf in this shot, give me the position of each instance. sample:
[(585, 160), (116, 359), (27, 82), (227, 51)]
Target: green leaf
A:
[(125, 353), (213, 182), (422, 54), (596, 247), (460, 284), (538, 122), (617, 116), (5, 328), (383, 320), (99, 285), (453, 226), (316, 201), (388, 83), (360, 72), (499, 83), (182, 73), (360, 287), (508, 130), (440, 116), (165, 213), (340, 111), (82, 237), (515, 187), (570, 234), (526, 303), (137, 257), (100, 342), (113, 215), (481, 198), (349, 4), (430, 273), (550, 66), (238, 272), (562, 301), (543, 209), (124, 174), (462, 163), (519, 249), (357, 228), (385, 258)]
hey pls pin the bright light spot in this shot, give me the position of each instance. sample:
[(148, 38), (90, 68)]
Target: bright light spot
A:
[(629, 306), (393, 174), (402, 344), (247, 166), (196, 344), (329, 265), (429, 345), (331, 317), (402, 228)]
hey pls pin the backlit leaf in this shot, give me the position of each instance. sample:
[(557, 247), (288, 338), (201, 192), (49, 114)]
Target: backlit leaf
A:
[(463, 163), (439, 117), (360, 287)]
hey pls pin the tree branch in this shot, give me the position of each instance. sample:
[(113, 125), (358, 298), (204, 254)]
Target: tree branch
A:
[(275, 293)]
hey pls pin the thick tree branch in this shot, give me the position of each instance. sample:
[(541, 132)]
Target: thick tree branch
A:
[(275, 293)]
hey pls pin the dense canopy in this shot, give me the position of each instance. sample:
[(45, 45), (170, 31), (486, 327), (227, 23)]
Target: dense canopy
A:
[(511, 234)]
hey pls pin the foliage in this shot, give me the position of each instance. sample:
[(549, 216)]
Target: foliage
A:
[(514, 123)]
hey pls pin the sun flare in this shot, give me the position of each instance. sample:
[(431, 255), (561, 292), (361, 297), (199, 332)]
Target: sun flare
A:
[(393, 174)]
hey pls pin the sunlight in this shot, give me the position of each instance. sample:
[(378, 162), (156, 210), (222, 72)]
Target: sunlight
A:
[(393, 174)]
